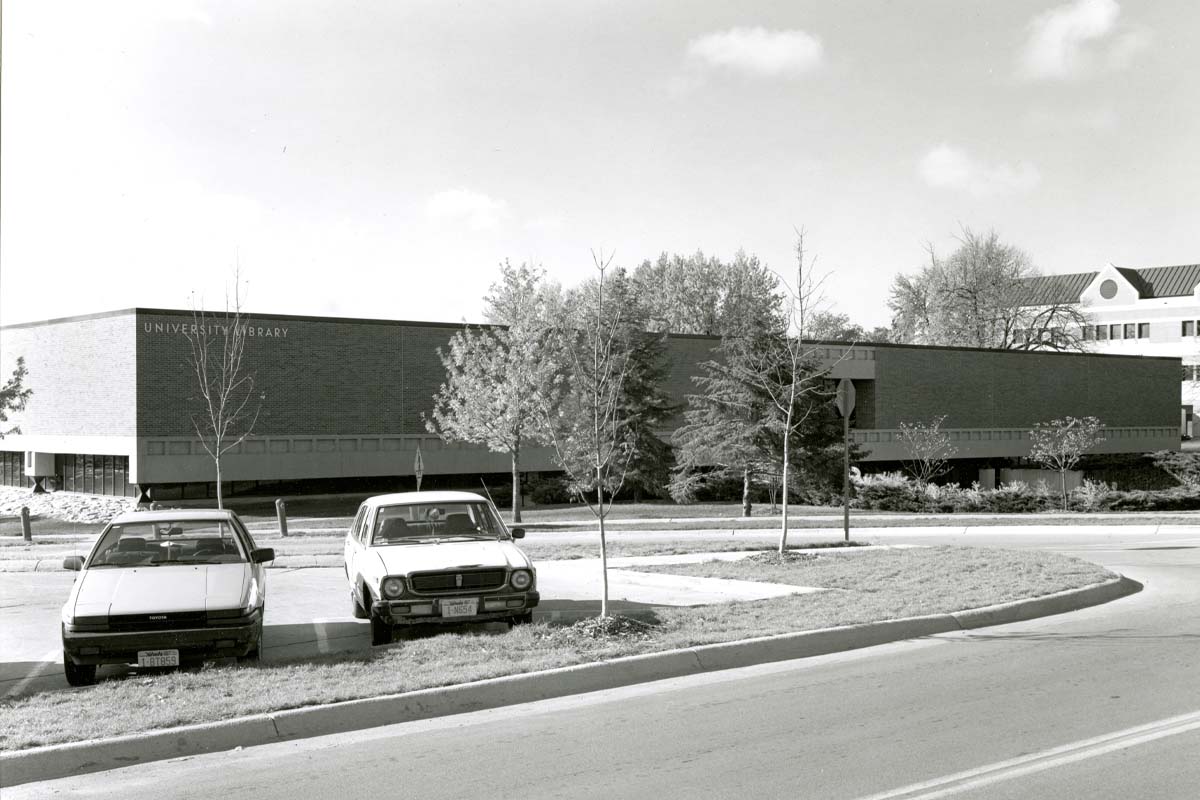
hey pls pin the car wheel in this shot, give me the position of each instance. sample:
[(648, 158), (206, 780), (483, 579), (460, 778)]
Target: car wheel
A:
[(520, 619), (358, 610), (78, 674), (381, 630), (256, 653)]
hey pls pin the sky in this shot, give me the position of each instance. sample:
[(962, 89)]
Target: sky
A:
[(380, 159)]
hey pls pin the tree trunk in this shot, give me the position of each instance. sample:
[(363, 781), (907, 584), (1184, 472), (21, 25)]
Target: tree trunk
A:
[(220, 499), (603, 545), (1063, 476), (516, 488), (783, 530), (746, 492)]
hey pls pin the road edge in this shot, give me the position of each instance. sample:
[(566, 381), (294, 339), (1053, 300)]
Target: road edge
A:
[(76, 758)]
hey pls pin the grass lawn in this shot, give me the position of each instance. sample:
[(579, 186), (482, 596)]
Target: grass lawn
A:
[(869, 586)]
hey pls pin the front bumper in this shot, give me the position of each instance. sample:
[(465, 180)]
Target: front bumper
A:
[(427, 610), (93, 647)]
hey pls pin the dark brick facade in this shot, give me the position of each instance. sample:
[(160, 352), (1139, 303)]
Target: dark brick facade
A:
[(1008, 389)]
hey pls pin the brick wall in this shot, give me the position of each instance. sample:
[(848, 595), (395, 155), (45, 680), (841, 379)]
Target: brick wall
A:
[(998, 389), (81, 371)]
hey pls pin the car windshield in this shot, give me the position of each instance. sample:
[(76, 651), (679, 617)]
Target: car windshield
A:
[(424, 522), (159, 542)]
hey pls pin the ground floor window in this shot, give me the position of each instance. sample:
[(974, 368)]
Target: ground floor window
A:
[(93, 474), (12, 468)]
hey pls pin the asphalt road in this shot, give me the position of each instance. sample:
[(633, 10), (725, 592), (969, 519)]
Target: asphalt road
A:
[(1103, 702)]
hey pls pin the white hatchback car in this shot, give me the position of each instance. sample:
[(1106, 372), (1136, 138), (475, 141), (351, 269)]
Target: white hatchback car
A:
[(436, 557), (161, 587)]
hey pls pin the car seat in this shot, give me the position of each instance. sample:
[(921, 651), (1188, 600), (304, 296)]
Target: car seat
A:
[(392, 529), (459, 523)]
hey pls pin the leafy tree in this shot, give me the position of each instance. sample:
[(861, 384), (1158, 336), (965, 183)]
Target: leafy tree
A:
[(495, 375), (838, 328), (976, 297), (587, 417), (929, 448), (14, 395), (1059, 444), (228, 403), (703, 295)]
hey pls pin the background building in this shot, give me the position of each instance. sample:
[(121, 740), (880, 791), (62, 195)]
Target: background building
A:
[(344, 401)]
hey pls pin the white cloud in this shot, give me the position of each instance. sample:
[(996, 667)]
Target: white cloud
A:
[(478, 211), (759, 52), (1074, 40), (948, 167)]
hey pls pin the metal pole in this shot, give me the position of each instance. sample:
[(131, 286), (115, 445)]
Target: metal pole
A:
[(281, 513), (26, 531), (846, 476)]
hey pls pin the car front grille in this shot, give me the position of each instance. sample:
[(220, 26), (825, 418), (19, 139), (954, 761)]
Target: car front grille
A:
[(157, 622), (458, 581)]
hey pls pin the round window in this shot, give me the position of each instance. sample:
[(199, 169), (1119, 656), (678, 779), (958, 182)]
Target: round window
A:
[(1108, 289)]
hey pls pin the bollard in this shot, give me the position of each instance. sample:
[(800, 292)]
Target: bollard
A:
[(281, 512), (26, 531)]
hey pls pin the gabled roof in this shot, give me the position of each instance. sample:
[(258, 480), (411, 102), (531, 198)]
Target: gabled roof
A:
[(1048, 290), (1177, 281)]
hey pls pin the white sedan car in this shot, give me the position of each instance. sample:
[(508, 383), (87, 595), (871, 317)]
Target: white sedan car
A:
[(436, 557), (161, 587)]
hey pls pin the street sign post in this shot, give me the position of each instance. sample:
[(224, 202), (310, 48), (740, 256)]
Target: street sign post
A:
[(844, 399), (418, 466)]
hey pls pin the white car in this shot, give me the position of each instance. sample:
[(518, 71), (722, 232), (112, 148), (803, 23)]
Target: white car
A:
[(161, 587), (436, 557)]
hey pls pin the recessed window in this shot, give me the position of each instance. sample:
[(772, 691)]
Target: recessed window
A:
[(1189, 327), (1087, 332), (1143, 330), (1114, 331), (1130, 330), (1101, 332)]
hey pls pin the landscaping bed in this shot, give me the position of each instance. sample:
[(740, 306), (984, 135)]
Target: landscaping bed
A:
[(867, 586)]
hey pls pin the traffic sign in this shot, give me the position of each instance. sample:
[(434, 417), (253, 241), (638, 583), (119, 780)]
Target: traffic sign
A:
[(845, 397)]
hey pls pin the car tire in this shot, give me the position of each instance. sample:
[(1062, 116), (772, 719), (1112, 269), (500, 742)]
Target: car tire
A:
[(358, 611), (255, 654), (381, 631), (78, 674), (520, 619)]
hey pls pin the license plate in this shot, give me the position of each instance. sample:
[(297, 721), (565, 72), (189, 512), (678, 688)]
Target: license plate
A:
[(461, 607), (158, 658)]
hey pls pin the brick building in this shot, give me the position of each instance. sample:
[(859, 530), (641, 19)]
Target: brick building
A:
[(344, 399)]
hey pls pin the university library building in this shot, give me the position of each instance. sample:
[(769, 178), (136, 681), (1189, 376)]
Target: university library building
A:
[(343, 403)]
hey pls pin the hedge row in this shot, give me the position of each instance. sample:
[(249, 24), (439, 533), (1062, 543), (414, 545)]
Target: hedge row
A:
[(895, 492)]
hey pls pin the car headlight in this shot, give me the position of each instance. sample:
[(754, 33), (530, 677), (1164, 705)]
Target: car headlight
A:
[(392, 587), (521, 579)]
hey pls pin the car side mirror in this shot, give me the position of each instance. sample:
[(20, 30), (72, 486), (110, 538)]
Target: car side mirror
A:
[(262, 555), (73, 563), (518, 533)]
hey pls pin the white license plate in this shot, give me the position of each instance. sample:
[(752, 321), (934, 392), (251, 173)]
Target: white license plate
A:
[(158, 658), (460, 607)]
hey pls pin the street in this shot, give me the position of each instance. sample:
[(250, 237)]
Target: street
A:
[(1103, 702)]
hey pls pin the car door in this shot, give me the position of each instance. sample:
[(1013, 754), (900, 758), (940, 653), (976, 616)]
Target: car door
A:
[(354, 545)]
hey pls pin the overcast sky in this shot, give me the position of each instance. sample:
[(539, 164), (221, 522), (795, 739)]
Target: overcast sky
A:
[(378, 159)]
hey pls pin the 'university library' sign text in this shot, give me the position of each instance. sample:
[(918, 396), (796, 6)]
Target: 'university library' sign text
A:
[(263, 331)]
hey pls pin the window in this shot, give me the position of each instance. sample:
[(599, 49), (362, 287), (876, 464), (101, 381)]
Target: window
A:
[(1114, 331), (1101, 332), (1130, 330), (1087, 332), (1189, 328), (1143, 330)]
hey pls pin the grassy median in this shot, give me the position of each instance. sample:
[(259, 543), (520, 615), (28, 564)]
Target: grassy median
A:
[(865, 586)]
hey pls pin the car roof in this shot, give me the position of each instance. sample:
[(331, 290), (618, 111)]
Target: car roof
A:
[(173, 515), (405, 498)]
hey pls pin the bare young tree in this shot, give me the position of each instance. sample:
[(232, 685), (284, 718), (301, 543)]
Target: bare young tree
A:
[(1059, 444), (929, 448), (586, 419), (227, 400)]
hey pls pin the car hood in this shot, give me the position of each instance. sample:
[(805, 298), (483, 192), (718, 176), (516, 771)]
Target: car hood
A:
[(401, 559), (143, 590)]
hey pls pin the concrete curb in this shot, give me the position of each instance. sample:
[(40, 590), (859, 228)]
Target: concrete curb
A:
[(56, 761)]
